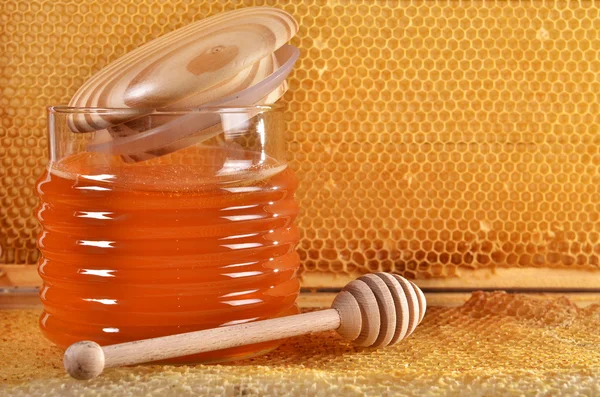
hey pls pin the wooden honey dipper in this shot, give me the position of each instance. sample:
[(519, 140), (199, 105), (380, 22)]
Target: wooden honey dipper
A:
[(375, 310)]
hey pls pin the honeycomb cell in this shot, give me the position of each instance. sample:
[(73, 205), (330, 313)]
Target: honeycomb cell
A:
[(426, 136)]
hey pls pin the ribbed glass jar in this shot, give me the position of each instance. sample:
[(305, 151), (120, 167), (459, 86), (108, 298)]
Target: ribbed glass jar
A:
[(164, 222)]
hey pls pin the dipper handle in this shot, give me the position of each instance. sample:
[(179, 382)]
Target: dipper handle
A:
[(86, 359), (374, 310)]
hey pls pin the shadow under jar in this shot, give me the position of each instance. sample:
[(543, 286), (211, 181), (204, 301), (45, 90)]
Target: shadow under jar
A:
[(164, 222)]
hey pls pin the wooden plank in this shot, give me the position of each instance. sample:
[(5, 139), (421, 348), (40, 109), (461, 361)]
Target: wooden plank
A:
[(14, 298), (541, 279), (19, 276), (449, 299), (315, 299), (324, 299), (470, 279)]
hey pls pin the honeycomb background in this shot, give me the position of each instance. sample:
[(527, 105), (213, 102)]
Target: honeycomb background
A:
[(427, 135), (494, 345)]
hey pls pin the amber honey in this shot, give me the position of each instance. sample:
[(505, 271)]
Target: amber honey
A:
[(158, 248)]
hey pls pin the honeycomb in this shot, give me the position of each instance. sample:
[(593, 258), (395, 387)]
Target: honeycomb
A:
[(427, 136), (495, 344)]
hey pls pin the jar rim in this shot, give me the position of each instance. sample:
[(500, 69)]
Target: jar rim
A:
[(65, 109)]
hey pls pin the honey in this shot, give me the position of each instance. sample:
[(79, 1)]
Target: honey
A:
[(176, 244)]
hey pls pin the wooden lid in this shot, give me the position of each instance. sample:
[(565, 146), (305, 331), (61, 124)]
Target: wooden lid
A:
[(225, 52)]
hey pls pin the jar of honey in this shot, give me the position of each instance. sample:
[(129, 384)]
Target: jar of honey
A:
[(164, 222)]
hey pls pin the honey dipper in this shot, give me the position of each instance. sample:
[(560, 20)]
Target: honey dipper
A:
[(375, 310)]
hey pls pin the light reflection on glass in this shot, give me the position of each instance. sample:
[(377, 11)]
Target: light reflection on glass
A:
[(241, 264), (231, 294), (98, 272), (96, 243), (233, 166), (237, 218), (239, 207), (103, 301), (43, 208), (235, 322), (93, 215), (99, 177), (242, 302), (42, 238), (235, 124), (42, 266), (260, 128), (242, 189), (242, 246), (239, 236), (97, 188), (242, 274)]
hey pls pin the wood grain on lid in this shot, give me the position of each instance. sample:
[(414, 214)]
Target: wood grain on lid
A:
[(179, 64)]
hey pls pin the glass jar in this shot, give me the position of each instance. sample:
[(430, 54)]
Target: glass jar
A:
[(163, 222)]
